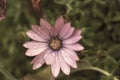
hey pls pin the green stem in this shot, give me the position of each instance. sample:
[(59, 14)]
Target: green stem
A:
[(6, 74), (97, 69), (93, 68)]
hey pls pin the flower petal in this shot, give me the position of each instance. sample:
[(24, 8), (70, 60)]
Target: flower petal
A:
[(58, 26), (72, 54), (74, 38), (34, 44), (38, 61), (50, 58), (37, 58), (76, 46), (59, 22), (34, 36), (40, 56), (55, 68), (68, 59), (38, 64), (36, 51), (42, 32), (64, 66), (64, 30), (35, 27), (2, 17), (70, 32), (45, 24)]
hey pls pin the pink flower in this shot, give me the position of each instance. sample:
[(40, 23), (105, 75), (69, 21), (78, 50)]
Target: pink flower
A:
[(54, 46)]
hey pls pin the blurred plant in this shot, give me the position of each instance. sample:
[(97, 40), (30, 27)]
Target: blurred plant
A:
[(99, 21), (101, 54), (2, 9), (36, 4)]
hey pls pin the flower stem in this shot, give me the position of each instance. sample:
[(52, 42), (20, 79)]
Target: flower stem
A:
[(93, 68), (97, 69), (6, 74)]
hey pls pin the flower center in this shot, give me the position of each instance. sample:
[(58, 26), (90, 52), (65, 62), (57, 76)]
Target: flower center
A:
[(55, 44)]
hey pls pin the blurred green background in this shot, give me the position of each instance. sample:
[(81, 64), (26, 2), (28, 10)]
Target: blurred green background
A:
[(99, 21)]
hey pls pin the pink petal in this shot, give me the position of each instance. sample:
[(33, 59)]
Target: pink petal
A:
[(37, 58), (35, 27), (38, 64), (40, 56), (70, 32), (36, 51), (68, 59), (34, 44), (64, 66), (76, 46), (38, 61), (2, 17), (46, 33), (74, 38), (50, 58), (45, 24), (59, 24), (42, 32), (55, 68), (64, 30), (34, 36), (72, 54)]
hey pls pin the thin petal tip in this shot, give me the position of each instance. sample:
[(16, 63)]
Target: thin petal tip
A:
[(55, 75), (24, 45), (42, 20), (28, 53), (75, 66), (28, 32), (60, 17), (1, 18), (34, 68)]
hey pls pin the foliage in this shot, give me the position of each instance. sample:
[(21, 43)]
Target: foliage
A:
[(100, 24)]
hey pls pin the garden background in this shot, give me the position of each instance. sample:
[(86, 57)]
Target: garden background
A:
[(99, 21)]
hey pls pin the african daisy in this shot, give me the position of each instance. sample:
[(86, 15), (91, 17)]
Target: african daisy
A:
[(54, 46)]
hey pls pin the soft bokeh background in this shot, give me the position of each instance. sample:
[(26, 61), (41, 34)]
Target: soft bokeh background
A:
[(100, 24)]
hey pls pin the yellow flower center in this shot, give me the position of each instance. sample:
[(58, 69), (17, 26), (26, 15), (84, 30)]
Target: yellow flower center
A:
[(55, 44)]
